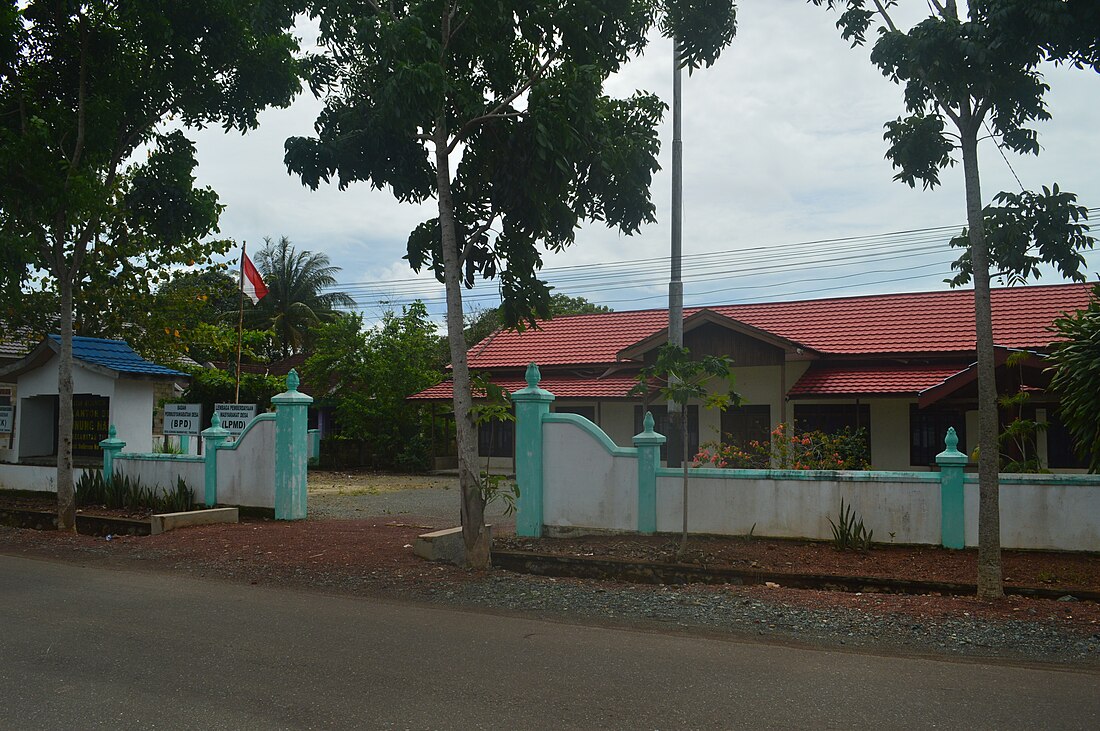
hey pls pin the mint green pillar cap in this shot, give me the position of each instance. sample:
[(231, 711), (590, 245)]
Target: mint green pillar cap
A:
[(649, 456), (532, 404), (111, 446), (952, 493)]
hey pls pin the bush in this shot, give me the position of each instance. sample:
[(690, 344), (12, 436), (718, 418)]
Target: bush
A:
[(785, 450), (121, 491)]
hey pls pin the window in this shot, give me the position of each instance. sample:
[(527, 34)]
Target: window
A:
[(927, 430), (1060, 452), (588, 412), (833, 418), (661, 425), (744, 424), (496, 439)]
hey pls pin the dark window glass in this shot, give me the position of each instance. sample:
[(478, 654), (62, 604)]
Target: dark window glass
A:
[(928, 429), (496, 439), (1060, 453), (588, 412), (744, 424), (661, 425)]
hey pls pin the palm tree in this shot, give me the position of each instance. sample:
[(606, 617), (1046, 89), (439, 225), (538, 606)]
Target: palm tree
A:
[(296, 300)]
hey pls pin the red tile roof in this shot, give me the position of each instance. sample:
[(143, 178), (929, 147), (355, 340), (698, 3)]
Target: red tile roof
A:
[(561, 386), (920, 322), (869, 380)]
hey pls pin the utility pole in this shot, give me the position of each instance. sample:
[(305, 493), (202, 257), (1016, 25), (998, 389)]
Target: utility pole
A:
[(676, 284)]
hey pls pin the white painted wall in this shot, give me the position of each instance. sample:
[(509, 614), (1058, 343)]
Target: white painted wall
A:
[(1050, 512), (30, 477), (589, 487), (132, 414), (162, 471), (795, 508), (246, 469)]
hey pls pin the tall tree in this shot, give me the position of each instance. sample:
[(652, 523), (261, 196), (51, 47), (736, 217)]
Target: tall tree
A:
[(297, 300), (89, 84), (969, 72), (495, 108)]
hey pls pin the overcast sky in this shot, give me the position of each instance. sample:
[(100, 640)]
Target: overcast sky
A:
[(782, 146)]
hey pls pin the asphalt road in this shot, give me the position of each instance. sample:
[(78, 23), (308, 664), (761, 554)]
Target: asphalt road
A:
[(91, 648)]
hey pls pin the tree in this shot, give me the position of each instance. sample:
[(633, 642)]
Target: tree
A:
[(496, 110), (679, 379), (370, 374), (971, 72), (1077, 379), (88, 85), (296, 299)]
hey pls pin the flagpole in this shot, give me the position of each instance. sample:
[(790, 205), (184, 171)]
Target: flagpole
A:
[(240, 327)]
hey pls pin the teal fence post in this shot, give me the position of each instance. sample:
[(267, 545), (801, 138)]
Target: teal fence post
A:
[(649, 457), (952, 508), (112, 445), (213, 438), (532, 403), (291, 450)]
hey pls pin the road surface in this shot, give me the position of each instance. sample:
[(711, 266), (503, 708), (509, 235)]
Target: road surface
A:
[(92, 648)]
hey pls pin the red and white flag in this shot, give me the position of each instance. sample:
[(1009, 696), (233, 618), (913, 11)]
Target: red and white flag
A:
[(252, 284)]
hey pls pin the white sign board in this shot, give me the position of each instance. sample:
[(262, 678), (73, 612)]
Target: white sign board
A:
[(183, 419), (235, 417), (6, 419)]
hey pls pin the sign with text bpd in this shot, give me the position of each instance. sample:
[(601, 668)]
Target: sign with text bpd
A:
[(235, 417), (183, 419)]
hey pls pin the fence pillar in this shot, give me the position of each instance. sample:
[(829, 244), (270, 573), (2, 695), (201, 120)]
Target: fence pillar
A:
[(532, 403), (212, 438), (112, 445), (291, 450), (952, 508), (649, 458)]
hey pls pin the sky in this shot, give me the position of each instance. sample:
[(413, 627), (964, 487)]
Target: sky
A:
[(787, 194)]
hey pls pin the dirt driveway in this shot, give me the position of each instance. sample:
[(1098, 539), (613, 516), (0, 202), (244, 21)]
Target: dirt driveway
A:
[(349, 495)]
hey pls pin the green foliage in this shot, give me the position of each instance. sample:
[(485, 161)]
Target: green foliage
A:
[(849, 532), (1076, 377), (519, 85), (299, 297), (786, 450), (212, 385), (166, 447), (121, 491), (369, 374), (679, 378), (499, 487), (493, 407)]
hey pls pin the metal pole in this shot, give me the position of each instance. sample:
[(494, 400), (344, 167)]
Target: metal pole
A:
[(676, 285)]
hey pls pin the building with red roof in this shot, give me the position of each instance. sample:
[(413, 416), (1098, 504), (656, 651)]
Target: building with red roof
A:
[(899, 365)]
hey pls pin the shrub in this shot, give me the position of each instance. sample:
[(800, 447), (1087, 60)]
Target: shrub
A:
[(785, 450), (122, 491)]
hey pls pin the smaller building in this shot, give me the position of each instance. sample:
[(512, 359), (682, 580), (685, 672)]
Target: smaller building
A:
[(111, 385)]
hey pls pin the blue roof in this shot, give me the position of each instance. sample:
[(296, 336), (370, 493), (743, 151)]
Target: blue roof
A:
[(116, 355)]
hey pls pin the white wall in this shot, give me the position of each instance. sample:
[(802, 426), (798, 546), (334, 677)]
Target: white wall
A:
[(132, 414), (162, 470), (31, 477), (588, 487), (246, 469), (1047, 512), (796, 508)]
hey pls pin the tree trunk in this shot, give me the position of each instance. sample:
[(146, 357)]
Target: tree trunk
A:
[(990, 585), (474, 535), (683, 442), (66, 499)]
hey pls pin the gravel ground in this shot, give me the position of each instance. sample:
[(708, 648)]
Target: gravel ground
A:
[(371, 557)]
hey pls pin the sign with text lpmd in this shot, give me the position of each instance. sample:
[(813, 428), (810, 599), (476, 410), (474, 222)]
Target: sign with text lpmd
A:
[(235, 417), (7, 414), (183, 419)]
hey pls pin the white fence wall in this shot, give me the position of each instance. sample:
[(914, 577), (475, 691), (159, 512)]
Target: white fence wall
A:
[(162, 471), (1052, 512), (246, 468), (593, 483), (34, 478)]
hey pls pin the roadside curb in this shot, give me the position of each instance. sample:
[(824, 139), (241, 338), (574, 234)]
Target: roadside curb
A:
[(645, 572)]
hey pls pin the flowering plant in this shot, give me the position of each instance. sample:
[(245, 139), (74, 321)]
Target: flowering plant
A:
[(787, 450)]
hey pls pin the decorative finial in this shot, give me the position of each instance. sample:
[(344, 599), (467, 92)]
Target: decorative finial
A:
[(292, 380), (952, 440), (216, 421), (112, 432), (647, 422), (533, 375)]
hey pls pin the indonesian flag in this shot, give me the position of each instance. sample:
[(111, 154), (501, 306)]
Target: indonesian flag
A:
[(252, 284)]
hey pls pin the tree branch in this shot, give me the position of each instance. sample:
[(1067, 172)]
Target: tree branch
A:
[(81, 103), (497, 112), (885, 16)]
